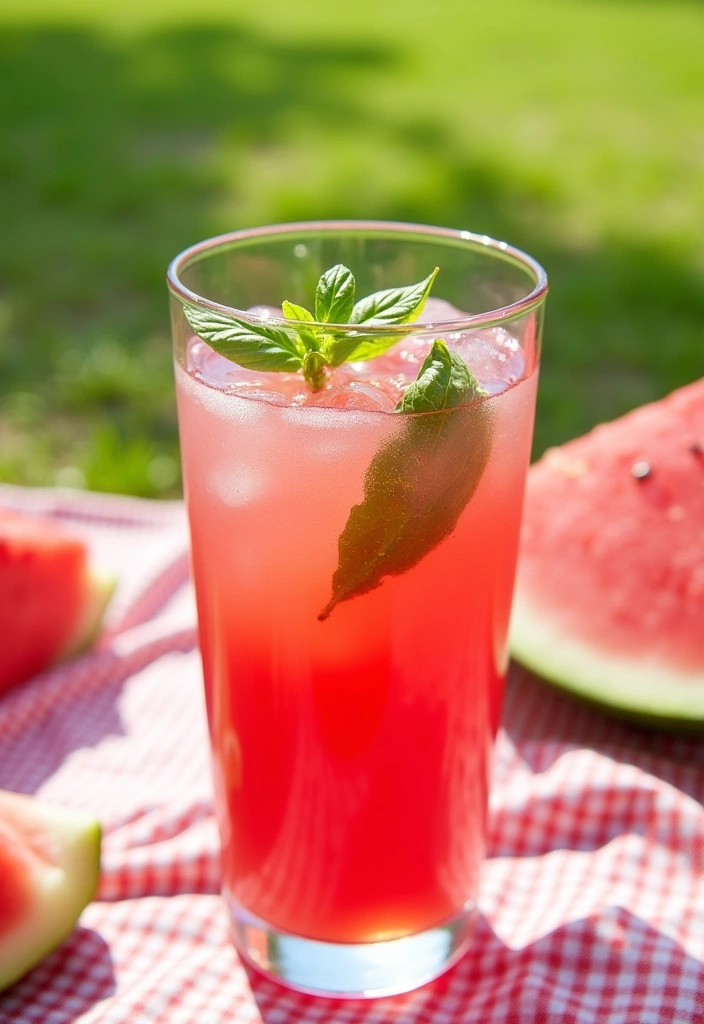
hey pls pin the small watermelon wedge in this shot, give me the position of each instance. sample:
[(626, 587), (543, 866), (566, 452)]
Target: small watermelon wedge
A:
[(49, 871), (609, 600), (52, 600)]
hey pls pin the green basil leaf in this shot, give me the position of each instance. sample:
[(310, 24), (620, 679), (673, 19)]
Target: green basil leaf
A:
[(444, 381), (341, 346), (302, 316), (294, 312), (369, 348), (334, 297), (255, 346), (393, 305), (419, 482)]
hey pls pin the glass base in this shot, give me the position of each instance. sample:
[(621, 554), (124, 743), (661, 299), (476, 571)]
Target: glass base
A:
[(351, 970)]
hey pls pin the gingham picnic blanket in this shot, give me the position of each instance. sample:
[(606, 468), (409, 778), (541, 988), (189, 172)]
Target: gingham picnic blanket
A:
[(592, 904)]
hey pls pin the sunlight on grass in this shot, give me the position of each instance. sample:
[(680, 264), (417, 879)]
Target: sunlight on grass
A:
[(131, 130)]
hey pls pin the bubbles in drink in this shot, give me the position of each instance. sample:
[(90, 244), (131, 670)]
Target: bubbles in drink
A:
[(399, 364), (366, 396), (216, 400), (237, 485), (218, 372), (258, 392), (494, 356)]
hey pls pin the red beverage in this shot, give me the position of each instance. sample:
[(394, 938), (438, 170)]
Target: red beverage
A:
[(351, 744), (351, 755)]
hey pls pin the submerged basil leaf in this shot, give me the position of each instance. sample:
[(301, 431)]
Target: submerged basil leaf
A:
[(419, 483), (301, 316)]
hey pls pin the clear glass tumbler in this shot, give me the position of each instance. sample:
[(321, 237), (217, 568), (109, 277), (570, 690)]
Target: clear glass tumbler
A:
[(353, 566)]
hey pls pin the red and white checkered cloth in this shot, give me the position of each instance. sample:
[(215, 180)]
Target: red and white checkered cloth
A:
[(593, 895)]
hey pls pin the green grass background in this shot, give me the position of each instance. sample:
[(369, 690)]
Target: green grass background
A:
[(572, 128)]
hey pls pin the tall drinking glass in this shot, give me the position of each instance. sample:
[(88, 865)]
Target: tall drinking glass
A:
[(353, 567)]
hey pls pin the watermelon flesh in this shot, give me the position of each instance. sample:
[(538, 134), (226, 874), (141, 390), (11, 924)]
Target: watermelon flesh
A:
[(609, 599), (51, 599), (49, 871)]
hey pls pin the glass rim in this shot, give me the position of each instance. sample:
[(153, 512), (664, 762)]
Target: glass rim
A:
[(499, 249)]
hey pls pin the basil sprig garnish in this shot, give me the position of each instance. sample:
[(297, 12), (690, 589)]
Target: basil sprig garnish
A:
[(258, 345)]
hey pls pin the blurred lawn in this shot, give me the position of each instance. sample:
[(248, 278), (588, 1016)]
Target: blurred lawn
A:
[(573, 128)]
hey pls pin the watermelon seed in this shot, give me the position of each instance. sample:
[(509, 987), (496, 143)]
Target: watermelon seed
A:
[(641, 469), (696, 449)]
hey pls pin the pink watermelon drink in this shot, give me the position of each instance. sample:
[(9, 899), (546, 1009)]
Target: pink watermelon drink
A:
[(354, 565)]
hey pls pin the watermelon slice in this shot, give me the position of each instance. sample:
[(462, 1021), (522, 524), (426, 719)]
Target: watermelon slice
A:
[(609, 599), (51, 599), (49, 870)]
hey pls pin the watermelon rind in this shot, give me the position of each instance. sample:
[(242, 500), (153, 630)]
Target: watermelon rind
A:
[(60, 890), (644, 691), (100, 585), (609, 599)]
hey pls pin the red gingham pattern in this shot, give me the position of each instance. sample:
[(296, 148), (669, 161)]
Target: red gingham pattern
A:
[(592, 905)]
